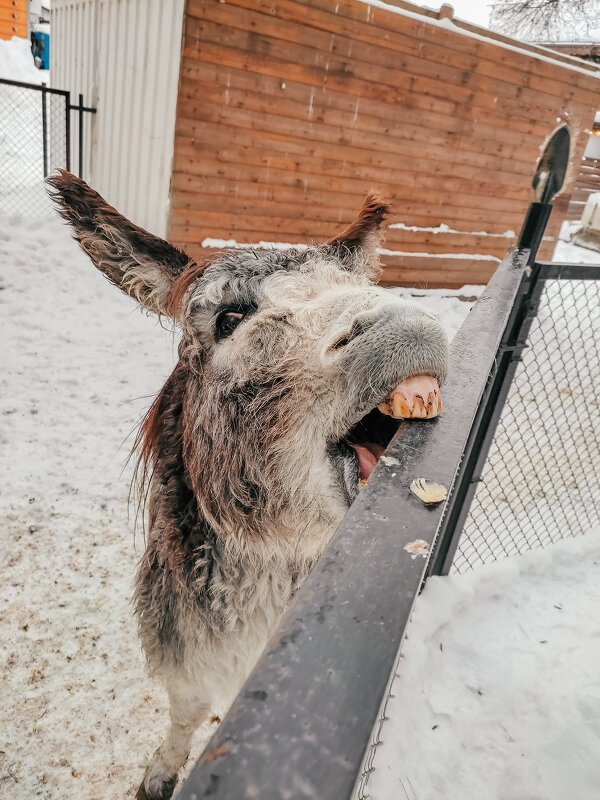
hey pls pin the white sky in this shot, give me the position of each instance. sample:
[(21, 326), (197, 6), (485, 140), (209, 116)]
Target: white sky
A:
[(476, 11)]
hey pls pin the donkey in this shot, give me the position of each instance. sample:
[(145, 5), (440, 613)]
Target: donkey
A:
[(259, 440)]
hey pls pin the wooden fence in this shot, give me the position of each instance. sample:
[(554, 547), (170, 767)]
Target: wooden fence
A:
[(13, 20), (586, 183), (289, 112)]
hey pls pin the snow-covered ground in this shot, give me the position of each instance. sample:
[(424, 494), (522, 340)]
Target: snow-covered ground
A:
[(78, 716), (21, 140), (16, 62), (497, 695), (541, 481)]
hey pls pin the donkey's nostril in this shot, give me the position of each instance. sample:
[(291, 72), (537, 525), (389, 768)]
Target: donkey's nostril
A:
[(356, 329), (341, 342)]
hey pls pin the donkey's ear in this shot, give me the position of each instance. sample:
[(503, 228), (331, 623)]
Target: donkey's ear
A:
[(357, 245), (140, 264)]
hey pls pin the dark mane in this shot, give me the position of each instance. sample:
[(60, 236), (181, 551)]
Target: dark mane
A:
[(159, 435)]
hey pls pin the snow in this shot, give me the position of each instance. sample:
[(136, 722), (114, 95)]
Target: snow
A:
[(21, 141), (569, 252), (383, 251), (468, 714), (542, 471), (443, 228), (262, 245), (497, 693), (78, 715), (476, 11), (16, 62), (232, 244)]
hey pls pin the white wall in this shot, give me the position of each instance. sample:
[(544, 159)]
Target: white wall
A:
[(124, 56), (592, 149)]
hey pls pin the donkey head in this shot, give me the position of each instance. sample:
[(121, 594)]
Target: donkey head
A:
[(285, 356)]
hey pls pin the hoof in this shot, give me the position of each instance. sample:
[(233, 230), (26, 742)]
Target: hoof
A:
[(157, 789)]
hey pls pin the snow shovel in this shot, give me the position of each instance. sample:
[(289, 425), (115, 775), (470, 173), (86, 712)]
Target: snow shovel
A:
[(547, 182)]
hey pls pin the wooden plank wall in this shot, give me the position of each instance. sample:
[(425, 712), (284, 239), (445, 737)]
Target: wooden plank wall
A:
[(13, 19), (586, 183), (289, 112)]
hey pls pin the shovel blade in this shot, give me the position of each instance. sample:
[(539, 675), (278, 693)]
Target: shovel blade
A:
[(552, 166)]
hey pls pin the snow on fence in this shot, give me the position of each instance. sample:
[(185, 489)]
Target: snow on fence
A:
[(37, 136), (517, 448)]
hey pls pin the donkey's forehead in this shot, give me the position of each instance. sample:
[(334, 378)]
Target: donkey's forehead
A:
[(251, 275)]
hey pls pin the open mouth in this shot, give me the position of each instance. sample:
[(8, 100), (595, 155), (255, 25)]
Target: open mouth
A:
[(417, 397)]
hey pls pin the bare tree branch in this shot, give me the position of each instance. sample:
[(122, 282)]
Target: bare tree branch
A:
[(547, 20)]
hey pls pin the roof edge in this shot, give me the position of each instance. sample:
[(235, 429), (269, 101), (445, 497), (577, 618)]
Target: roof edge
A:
[(445, 16)]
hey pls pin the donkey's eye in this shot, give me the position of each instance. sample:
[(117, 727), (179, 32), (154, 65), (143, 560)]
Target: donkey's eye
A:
[(227, 322)]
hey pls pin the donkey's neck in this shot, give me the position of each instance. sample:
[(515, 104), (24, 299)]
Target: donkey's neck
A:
[(204, 495)]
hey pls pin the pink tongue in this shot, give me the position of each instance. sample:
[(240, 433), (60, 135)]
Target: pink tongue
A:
[(367, 458)]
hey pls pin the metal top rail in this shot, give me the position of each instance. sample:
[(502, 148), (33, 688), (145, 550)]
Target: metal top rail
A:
[(40, 87), (575, 272), (301, 723)]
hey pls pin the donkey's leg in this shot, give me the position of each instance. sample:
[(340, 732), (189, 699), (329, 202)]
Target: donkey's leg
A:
[(189, 707)]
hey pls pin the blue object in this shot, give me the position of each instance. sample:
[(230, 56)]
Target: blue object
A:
[(40, 46)]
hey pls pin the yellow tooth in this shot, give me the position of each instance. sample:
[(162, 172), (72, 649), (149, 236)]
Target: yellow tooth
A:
[(431, 408), (400, 406), (419, 411), (397, 406)]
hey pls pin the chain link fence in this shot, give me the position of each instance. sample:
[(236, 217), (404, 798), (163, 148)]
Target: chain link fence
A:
[(35, 140), (541, 481)]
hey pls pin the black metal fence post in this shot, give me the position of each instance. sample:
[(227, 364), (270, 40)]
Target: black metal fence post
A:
[(533, 228), (81, 110), (80, 151), (45, 130), (68, 130)]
